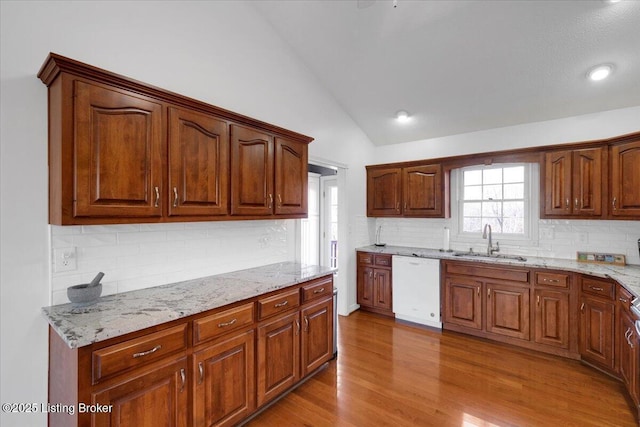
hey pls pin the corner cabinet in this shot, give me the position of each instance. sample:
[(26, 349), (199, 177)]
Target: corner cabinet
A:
[(625, 179), (121, 151), (413, 190)]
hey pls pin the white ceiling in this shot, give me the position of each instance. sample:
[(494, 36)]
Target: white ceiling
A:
[(463, 66)]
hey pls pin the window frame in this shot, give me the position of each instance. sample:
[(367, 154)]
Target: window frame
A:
[(531, 209)]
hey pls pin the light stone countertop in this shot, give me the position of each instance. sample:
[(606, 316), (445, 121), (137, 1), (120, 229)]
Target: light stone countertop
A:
[(628, 276), (120, 314)]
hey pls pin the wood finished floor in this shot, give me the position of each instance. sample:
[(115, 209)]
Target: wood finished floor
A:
[(391, 374)]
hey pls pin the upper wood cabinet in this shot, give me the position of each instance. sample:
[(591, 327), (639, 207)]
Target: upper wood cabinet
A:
[(268, 176), (198, 164), (625, 179), (118, 153), (121, 151), (573, 183), (418, 191)]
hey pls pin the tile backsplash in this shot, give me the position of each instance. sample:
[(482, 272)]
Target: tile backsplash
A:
[(137, 256), (556, 238)]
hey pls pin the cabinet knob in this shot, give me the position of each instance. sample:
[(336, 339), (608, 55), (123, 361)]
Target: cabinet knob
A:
[(175, 197)]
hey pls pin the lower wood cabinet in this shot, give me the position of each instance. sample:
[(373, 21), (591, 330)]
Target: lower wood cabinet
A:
[(508, 310), (212, 369), (142, 398), (223, 383), (374, 283), (597, 322), (552, 317), (463, 302)]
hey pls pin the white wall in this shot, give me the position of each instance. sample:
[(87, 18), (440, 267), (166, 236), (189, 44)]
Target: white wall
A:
[(218, 52)]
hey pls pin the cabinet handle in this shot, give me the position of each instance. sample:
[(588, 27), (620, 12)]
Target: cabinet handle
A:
[(375, 277), (550, 280), (201, 372), (281, 304), (566, 204), (157, 197), (144, 353), (229, 323), (298, 325), (575, 203), (627, 336), (183, 377), (623, 300), (488, 292), (306, 324), (175, 197), (405, 206), (318, 291), (615, 203), (279, 201), (582, 308), (270, 200), (596, 288), (478, 291), (370, 274), (538, 300), (398, 206)]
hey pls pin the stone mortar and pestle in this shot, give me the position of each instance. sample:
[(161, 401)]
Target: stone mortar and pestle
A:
[(86, 293)]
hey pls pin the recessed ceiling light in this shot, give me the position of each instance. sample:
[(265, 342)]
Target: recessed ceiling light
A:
[(402, 116), (600, 72)]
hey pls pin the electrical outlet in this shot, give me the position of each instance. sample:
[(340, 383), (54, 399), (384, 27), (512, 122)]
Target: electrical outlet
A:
[(64, 259)]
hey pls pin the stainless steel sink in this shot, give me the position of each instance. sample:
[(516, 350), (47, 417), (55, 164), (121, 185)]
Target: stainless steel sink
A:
[(497, 256)]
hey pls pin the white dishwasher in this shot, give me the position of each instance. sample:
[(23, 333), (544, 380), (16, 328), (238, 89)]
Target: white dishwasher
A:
[(416, 290)]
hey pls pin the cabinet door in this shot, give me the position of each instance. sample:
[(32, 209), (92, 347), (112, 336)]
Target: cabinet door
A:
[(383, 288), (384, 192), (627, 351), (552, 318), (508, 310), (365, 286), (625, 179), (596, 332), (317, 335), (148, 399), (224, 387), (422, 191), (463, 302), (278, 356), (291, 177), (587, 182), (118, 153), (198, 164), (251, 172), (557, 183)]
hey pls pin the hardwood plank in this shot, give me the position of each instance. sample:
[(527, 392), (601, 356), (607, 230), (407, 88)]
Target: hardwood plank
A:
[(390, 374)]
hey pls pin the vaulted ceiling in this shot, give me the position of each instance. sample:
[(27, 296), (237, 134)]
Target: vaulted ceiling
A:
[(463, 66)]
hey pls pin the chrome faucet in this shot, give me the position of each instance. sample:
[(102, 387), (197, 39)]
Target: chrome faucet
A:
[(490, 248)]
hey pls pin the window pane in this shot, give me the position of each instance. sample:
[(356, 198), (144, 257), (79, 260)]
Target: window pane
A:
[(495, 223), (473, 192), (514, 174), (472, 225), (514, 191), (472, 209), (492, 192), (492, 176), (513, 209), (473, 177), (491, 209)]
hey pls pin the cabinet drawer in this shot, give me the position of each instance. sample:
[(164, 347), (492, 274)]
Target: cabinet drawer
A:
[(317, 288), (556, 280), (278, 303), (139, 351), (383, 260), (365, 258), (222, 322), (624, 299), (512, 275), (598, 287)]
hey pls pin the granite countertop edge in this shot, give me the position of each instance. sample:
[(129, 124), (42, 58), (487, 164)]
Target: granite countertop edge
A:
[(123, 313), (628, 276)]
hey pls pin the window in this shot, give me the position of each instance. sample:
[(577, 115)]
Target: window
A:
[(497, 195)]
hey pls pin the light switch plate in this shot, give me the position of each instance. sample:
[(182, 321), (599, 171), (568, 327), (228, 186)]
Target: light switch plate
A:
[(64, 259)]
